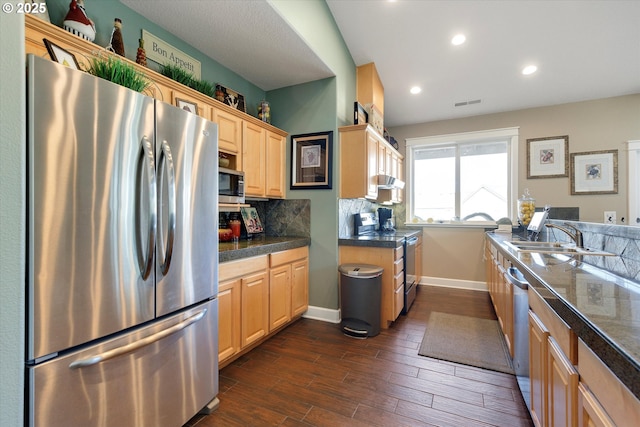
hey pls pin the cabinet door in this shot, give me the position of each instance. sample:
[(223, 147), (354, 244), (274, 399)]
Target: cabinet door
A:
[(279, 296), (275, 166), (372, 166), (299, 287), (382, 156), (228, 319), (255, 307), (562, 388), (419, 261), (590, 412), (229, 133), (254, 159), (538, 349)]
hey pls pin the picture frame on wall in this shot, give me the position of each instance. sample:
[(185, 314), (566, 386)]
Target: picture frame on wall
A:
[(189, 106), (311, 161), (230, 97), (548, 157), (60, 55), (360, 116), (594, 172)]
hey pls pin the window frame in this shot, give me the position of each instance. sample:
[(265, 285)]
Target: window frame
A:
[(511, 135)]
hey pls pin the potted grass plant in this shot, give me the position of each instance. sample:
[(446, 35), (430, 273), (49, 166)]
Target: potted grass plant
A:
[(112, 68), (185, 78)]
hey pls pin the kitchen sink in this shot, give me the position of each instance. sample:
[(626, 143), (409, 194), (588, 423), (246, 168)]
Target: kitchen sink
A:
[(554, 248)]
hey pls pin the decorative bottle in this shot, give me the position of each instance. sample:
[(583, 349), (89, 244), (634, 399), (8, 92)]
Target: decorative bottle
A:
[(526, 208)]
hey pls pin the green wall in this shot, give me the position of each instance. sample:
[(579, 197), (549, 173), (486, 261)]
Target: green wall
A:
[(317, 107)]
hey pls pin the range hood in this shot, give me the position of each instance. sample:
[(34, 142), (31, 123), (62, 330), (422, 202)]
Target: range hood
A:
[(387, 182)]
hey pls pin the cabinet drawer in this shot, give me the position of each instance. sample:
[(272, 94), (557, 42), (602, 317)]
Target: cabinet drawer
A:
[(619, 403), (398, 266), (398, 253), (398, 302), (398, 281), (241, 267), (558, 329), (288, 256)]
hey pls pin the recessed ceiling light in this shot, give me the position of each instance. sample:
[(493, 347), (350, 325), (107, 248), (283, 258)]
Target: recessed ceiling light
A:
[(529, 69), (458, 39), (415, 90)]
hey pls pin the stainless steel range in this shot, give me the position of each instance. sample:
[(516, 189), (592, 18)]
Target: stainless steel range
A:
[(365, 224)]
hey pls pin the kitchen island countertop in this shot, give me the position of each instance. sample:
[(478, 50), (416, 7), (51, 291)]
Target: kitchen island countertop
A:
[(599, 306), (259, 245)]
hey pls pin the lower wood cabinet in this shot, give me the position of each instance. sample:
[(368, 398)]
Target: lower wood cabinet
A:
[(538, 350), (257, 296), (562, 388), (390, 259)]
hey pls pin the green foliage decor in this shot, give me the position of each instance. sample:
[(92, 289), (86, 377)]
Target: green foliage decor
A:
[(117, 71), (184, 77)]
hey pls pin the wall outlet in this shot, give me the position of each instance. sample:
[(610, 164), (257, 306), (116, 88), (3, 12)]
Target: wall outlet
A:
[(609, 217)]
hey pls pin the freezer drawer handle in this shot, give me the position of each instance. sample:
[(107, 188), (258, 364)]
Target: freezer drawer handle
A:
[(94, 360)]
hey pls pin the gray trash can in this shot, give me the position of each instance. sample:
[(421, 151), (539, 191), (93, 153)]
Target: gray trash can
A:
[(360, 295)]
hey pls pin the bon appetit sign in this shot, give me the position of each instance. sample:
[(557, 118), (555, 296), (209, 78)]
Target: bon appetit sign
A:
[(163, 53)]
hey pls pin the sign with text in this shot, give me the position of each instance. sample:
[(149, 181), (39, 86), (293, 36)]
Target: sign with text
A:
[(163, 53)]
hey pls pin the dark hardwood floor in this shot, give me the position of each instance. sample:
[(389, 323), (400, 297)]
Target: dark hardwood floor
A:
[(310, 374)]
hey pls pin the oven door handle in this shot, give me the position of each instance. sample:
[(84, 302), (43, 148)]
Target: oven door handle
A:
[(412, 241)]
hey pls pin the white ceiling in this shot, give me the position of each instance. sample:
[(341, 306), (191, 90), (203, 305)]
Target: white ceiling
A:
[(583, 49)]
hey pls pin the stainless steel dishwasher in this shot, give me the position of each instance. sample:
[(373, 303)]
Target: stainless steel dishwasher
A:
[(520, 329)]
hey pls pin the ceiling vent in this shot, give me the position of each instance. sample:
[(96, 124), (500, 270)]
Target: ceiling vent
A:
[(463, 103)]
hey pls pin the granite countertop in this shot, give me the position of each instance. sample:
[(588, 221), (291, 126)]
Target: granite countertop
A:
[(602, 308), (377, 240), (259, 245)]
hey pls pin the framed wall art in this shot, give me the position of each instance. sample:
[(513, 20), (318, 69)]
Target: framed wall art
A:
[(360, 116), (61, 55), (311, 166), (548, 157), (189, 106), (231, 98), (594, 172)]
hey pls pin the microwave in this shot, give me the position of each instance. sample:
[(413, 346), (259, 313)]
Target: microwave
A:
[(230, 186)]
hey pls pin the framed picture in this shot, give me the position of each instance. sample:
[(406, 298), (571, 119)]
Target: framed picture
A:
[(231, 98), (360, 116), (189, 106), (251, 220), (311, 161), (61, 55), (594, 172), (548, 157), (375, 118)]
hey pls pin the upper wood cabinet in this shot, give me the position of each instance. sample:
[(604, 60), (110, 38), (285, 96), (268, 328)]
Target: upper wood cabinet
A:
[(369, 86), (229, 134), (364, 155), (275, 165)]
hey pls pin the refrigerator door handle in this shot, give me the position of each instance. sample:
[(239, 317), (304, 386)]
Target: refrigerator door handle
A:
[(166, 165), (148, 165), (119, 351)]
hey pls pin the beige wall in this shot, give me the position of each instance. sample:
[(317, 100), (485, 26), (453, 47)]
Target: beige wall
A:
[(603, 124)]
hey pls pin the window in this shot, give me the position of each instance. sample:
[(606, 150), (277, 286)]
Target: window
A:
[(463, 177)]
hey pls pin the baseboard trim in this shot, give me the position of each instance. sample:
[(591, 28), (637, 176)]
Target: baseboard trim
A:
[(323, 314), (453, 283), (333, 315)]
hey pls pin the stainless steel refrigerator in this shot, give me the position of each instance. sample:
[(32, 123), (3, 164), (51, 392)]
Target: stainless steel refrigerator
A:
[(122, 255)]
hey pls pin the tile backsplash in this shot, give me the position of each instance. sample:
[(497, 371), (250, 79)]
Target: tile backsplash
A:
[(622, 240)]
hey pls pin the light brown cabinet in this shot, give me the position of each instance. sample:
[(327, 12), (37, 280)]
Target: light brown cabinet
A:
[(390, 259), (257, 296), (263, 154), (501, 293), (288, 286), (538, 350), (229, 135), (364, 155)]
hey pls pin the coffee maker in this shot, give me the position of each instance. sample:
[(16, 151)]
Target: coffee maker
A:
[(385, 220)]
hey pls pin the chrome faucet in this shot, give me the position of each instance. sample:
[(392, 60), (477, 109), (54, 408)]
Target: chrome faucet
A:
[(576, 237)]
